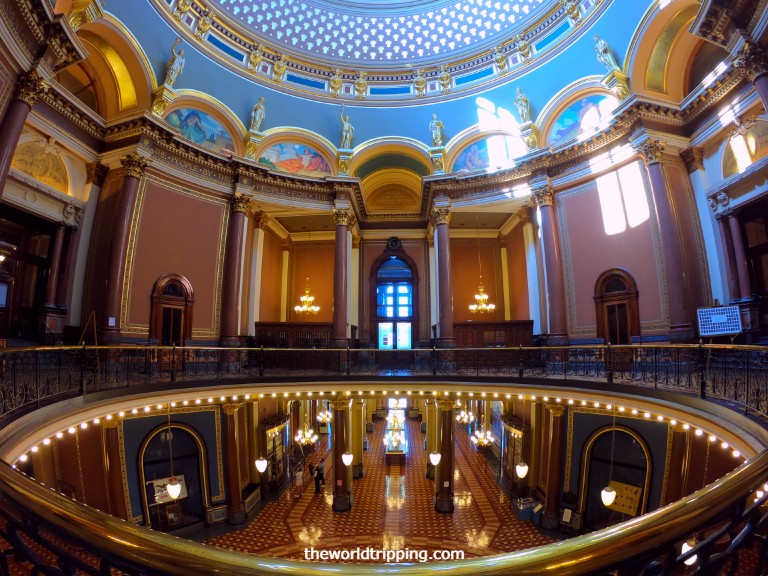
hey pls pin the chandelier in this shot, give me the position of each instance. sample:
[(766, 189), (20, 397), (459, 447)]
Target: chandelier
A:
[(465, 417), (394, 440), (306, 436), (325, 417), (482, 438), (307, 305), (481, 303)]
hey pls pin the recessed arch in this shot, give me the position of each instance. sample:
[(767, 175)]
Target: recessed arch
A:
[(173, 301), (198, 101), (616, 306)]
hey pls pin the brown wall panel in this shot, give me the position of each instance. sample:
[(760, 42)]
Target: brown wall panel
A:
[(271, 279), (465, 271), (85, 469), (518, 275), (316, 262)]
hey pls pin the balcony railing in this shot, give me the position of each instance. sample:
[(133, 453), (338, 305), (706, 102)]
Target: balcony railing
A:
[(60, 536)]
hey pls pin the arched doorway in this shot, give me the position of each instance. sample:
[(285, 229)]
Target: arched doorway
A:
[(616, 307), (171, 317), (395, 318), (619, 456), (185, 445)]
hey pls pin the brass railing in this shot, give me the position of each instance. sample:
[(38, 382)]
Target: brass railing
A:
[(58, 535)]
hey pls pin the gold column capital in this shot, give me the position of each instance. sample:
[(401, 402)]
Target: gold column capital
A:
[(231, 409), (446, 405), (752, 59), (30, 87), (113, 423), (134, 164), (441, 215), (343, 217), (340, 404), (557, 410), (356, 242), (651, 150), (240, 203), (543, 195)]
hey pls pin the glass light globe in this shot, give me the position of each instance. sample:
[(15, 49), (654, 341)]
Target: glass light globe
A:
[(261, 465), (347, 458), (521, 470), (608, 495), (174, 488), (435, 457)]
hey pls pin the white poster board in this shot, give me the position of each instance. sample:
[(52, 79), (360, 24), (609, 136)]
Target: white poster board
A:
[(719, 321), (161, 489)]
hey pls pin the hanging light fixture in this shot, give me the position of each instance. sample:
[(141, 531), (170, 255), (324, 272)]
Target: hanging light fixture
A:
[(465, 417), (608, 494), (306, 436), (521, 469), (261, 464), (435, 457), (174, 487), (482, 437), (307, 305), (325, 417), (481, 304)]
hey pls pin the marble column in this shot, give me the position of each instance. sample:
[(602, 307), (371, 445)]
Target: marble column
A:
[(29, 88), (53, 271), (734, 290), (357, 436), (235, 510), (134, 166), (680, 327), (551, 518), (341, 488), (114, 472), (344, 219), (444, 470), (233, 271), (739, 257), (441, 216), (558, 326), (753, 60)]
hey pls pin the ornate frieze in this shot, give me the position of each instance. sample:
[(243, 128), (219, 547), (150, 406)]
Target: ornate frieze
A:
[(134, 164), (651, 150)]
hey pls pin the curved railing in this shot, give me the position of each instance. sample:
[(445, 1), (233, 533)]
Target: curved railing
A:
[(61, 536)]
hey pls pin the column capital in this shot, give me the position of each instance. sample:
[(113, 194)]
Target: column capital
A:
[(134, 164), (343, 217), (693, 158), (340, 404), (752, 59), (97, 172), (30, 87), (231, 409), (523, 216), (446, 405), (261, 221), (356, 242), (441, 215), (240, 203), (557, 410), (651, 150), (543, 195), (113, 423)]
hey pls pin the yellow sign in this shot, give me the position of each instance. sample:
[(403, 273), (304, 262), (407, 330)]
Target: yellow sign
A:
[(627, 498)]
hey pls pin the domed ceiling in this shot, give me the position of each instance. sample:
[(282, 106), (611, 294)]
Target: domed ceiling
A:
[(376, 31)]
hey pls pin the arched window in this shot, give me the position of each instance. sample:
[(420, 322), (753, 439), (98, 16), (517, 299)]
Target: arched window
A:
[(171, 317), (616, 307)]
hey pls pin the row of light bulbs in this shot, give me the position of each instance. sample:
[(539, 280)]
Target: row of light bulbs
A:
[(145, 410)]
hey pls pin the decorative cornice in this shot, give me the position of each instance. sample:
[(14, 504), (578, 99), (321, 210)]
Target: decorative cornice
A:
[(693, 158), (752, 59), (96, 173), (134, 164), (441, 215), (52, 30), (343, 217), (651, 150), (30, 88)]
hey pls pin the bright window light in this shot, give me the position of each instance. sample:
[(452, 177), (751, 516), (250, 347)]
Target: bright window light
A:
[(623, 200), (741, 152), (633, 192), (610, 204)]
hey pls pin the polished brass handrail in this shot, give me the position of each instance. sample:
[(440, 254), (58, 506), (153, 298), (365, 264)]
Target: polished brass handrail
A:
[(643, 538)]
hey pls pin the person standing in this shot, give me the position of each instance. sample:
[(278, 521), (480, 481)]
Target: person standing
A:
[(298, 481), (319, 476)]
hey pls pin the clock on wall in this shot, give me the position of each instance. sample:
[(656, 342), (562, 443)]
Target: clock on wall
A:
[(394, 243)]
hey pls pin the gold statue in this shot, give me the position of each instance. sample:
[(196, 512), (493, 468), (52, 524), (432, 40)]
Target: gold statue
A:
[(500, 60), (257, 115), (182, 6), (361, 85), (419, 84), (278, 71), (523, 106), (347, 130), (435, 128), (605, 55), (336, 81), (175, 64), (523, 48), (254, 59), (203, 25), (445, 79)]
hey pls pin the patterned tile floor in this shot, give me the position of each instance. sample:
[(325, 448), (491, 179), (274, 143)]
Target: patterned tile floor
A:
[(392, 509)]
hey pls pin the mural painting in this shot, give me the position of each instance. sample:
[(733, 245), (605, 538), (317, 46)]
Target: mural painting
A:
[(473, 158), (582, 118), (202, 129), (295, 158)]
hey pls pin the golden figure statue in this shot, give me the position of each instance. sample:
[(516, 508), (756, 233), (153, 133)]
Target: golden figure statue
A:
[(500, 60), (605, 55), (361, 85), (254, 59), (203, 25), (435, 128), (257, 115), (445, 79), (278, 71), (419, 84), (523, 48), (182, 6), (347, 130), (175, 64), (523, 106), (336, 81)]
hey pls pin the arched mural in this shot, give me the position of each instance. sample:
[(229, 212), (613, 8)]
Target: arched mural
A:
[(295, 158), (41, 159), (496, 152), (748, 144), (582, 118), (202, 129)]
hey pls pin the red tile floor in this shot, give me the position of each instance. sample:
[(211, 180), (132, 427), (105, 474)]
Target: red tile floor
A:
[(392, 509)]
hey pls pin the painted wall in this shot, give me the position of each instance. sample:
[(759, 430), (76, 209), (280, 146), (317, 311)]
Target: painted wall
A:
[(179, 231), (316, 262), (518, 275), (271, 278), (465, 272)]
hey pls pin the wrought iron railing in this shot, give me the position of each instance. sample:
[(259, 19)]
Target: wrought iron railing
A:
[(57, 535), (30, 377)]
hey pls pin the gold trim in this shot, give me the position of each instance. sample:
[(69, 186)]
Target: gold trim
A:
[(656, 72), (667, 458), (126, 90)]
